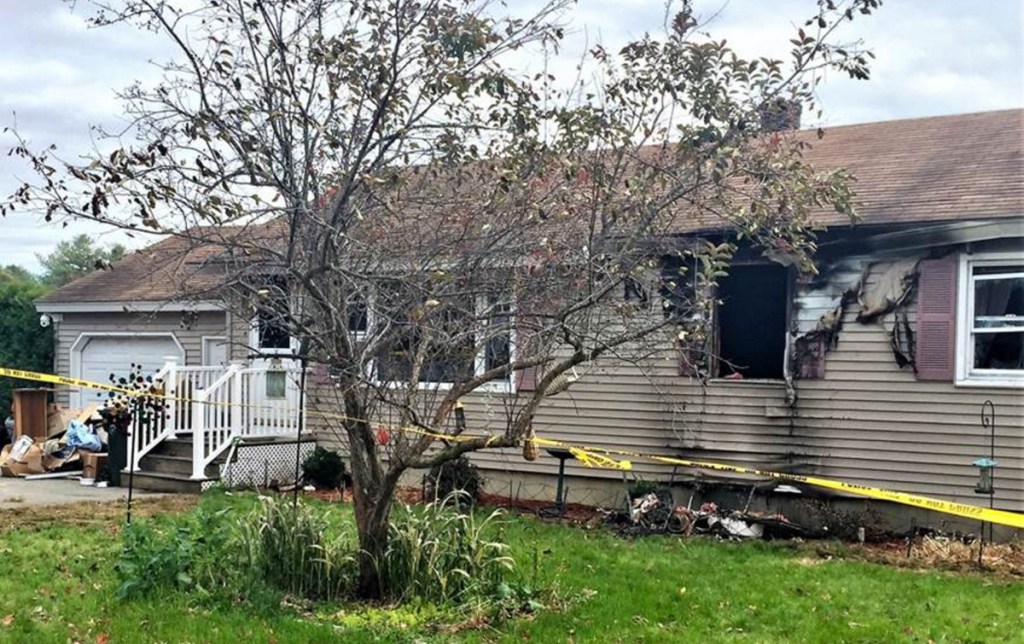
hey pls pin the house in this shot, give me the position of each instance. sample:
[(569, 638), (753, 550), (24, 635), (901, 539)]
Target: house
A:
[(875, 372)]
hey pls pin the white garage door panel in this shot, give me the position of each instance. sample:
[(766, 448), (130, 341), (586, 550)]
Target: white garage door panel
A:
[(103, 356)]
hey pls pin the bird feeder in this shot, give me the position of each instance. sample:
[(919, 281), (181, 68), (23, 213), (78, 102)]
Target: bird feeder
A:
[(985, 466)]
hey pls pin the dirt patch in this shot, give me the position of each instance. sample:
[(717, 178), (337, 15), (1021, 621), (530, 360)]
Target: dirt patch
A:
[(572, 513), (947, 554), (95, 513), (405, 494)]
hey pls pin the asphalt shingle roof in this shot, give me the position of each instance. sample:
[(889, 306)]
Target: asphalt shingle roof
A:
[(943, 168)]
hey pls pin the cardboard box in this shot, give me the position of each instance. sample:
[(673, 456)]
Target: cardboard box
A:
[(52, 462), (58, 418), (92, 464), (30, 463)]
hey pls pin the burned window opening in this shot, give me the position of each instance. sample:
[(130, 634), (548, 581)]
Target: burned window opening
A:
[(357, 313), (752, 322), (272, 313)]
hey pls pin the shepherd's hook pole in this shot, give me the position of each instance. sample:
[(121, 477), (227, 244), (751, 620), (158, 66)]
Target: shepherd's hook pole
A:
[(298, 436), (137, 418)]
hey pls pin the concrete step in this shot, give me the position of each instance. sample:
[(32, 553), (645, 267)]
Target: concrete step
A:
[(168, 464), (174, 447), (160, 482)]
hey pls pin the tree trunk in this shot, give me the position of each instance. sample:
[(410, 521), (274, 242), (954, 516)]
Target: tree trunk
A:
[(373, 543), (373, 496)]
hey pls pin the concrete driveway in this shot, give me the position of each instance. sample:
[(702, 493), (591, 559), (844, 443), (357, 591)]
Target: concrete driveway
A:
[(19, 493)]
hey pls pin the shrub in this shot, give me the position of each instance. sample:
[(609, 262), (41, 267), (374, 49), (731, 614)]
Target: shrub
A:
[(457, 480), (323, 468), (151, 560), (194, 555), (441, 554), (641, 488), (285, 545)]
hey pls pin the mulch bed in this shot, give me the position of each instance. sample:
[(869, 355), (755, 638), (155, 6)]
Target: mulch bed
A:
[(928, 552)]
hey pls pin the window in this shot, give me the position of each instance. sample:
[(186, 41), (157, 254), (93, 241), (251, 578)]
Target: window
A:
[(991, 319), (751, 321), (358, 314), (271, 322), (497, 327), (745, 336), (271, 333), (455, 342)]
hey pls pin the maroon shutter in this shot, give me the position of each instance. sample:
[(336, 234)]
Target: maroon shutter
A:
[(526, 379), (690, 357), (936, 318), (810, 353), (320, 375)]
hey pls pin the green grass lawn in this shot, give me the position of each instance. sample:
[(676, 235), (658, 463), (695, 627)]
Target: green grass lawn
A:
[(57, 582)]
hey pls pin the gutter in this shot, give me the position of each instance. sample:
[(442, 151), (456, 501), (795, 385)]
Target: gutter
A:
[(127, 307)]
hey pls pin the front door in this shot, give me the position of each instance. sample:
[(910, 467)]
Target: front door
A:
[(272, 383)]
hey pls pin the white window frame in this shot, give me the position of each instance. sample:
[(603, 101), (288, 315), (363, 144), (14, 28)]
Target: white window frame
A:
[(966, 375), (254, 342), (479, 361)]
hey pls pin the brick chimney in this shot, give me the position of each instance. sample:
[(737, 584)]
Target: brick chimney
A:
[(780, 114)]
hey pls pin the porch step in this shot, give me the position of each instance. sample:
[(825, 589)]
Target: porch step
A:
[(161, 482), (178, 446), (168, 467), (180, 465)]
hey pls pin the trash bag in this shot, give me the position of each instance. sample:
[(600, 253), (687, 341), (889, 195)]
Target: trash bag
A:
[(81, 436)]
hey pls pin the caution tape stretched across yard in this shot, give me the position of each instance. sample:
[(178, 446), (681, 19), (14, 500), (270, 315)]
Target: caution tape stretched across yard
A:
[(613, 458)]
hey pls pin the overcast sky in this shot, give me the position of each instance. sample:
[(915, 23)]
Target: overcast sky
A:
[(933, 57)]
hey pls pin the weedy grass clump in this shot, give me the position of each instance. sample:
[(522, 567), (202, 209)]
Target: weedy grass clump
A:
[(196, 553), (439, 553), (294, 548)]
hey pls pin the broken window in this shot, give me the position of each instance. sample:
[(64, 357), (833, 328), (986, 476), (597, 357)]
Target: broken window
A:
[(271, 324), (994, 319), (744, 336), (358, 314), (751, 321)]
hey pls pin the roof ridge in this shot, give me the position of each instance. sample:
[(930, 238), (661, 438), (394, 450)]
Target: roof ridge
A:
[(911, 119)]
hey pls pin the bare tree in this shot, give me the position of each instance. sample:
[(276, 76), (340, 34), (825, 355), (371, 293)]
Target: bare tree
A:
[(375, 181)]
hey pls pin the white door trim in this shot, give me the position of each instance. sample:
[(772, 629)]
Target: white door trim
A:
[(203, 353), (75, 355)]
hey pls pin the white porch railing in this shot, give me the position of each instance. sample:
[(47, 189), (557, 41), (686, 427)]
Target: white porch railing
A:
[(241, 403), (218, 404), (148, 435)]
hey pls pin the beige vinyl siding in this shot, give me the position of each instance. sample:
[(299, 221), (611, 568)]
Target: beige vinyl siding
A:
[(73, 325), (867, 422)]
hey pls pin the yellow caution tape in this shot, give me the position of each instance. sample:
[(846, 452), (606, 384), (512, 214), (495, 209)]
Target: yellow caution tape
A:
[(603, 457), (49, 378), (1002, 517)]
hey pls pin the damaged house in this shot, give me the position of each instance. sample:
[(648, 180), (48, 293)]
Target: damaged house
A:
[(874, 372)]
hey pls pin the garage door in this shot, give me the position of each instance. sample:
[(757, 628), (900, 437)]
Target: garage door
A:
[(102, 357)]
